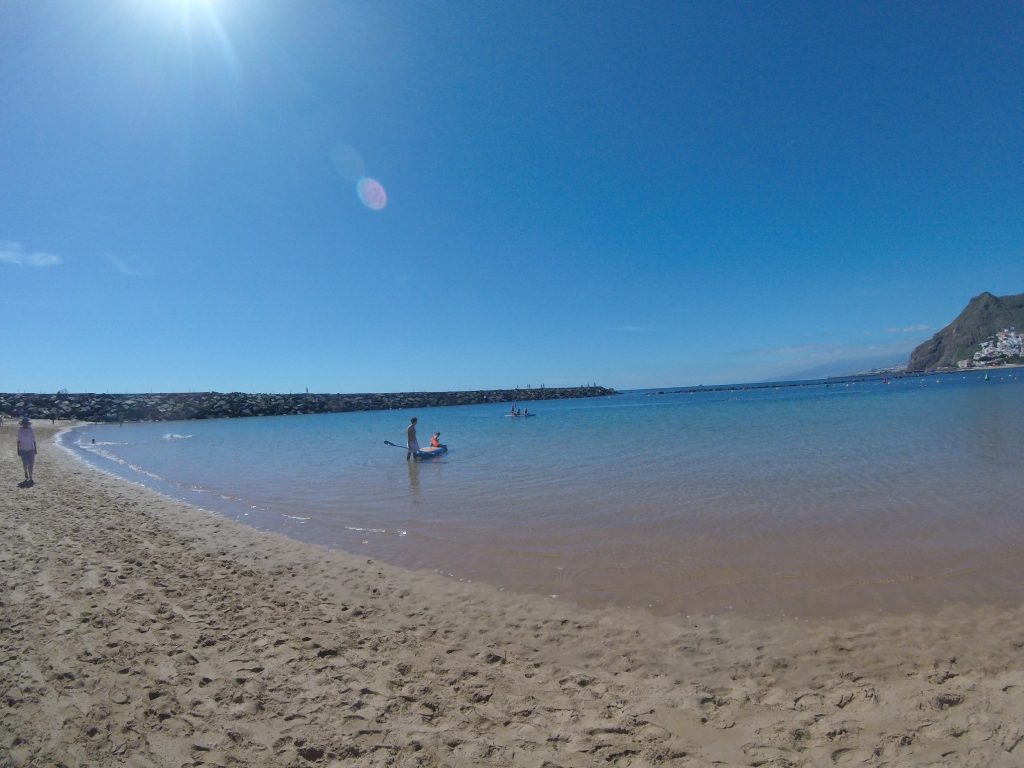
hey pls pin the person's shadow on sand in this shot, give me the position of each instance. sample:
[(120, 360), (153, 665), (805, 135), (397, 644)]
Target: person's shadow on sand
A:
[(26, 484)]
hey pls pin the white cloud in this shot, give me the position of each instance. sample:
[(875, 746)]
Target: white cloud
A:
[(918, 328), (13, 253), (122, 266)]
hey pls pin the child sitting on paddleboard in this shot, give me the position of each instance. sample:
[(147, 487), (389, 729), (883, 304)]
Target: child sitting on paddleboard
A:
[(435, 441)]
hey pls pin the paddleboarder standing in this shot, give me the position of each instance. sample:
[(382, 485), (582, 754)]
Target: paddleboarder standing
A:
[(411, 442)]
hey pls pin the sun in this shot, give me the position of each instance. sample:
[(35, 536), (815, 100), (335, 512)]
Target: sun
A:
[(179, 6), (197, 23), (182, 14)]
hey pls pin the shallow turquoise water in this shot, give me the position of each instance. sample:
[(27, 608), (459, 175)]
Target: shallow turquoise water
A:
[(807, 500)]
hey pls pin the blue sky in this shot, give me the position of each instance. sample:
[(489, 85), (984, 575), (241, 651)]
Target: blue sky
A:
[(637, 194)]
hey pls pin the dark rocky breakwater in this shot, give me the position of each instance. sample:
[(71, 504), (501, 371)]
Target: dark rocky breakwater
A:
[(217, 405)]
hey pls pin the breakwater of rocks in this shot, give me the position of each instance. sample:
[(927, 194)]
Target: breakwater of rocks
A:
[(218, 405)]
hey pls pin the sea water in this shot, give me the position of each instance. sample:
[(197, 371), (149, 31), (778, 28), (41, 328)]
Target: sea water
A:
[(805, 500)]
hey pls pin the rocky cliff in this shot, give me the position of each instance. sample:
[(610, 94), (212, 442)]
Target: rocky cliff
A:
[(983, 316), (216, 405)]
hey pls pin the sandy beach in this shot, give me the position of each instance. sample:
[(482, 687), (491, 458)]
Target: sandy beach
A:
[(139, 631)]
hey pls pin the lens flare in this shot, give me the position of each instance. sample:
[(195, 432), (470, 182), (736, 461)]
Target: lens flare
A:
[(372, 194), (348, 162)]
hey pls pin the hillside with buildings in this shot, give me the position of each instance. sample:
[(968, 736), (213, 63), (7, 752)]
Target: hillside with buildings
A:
[(987, 333)]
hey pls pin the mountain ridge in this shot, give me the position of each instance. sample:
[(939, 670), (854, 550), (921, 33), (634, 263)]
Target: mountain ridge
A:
[(984, 316)]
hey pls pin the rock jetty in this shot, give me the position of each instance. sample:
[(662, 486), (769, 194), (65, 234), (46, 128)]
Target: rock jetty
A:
[(218, 405)]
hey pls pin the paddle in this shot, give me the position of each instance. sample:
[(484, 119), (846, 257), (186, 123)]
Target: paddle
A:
[(388, 442)]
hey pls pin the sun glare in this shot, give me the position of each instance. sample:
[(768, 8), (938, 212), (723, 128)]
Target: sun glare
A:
[(179, 6), (182, 15), (198, 22)]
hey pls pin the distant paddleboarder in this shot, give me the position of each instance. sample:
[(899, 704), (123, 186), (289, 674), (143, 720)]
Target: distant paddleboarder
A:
[(411, 442)]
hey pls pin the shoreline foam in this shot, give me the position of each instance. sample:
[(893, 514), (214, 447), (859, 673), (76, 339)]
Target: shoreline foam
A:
[(141, 631)]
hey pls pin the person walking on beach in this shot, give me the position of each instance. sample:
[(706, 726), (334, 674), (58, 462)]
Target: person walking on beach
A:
[(27, 447), (411, 442)]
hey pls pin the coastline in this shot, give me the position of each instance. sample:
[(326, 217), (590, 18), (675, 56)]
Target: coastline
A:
[(142, 631), (856, 378)]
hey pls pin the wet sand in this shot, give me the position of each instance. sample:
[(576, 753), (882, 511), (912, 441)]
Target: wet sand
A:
[(139, 631)]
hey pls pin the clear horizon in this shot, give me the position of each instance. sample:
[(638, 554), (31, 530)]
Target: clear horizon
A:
[(213, 195)]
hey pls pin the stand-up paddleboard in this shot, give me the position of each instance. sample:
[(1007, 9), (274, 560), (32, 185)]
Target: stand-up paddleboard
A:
[(430, 452), (520, 415), (422, 453)]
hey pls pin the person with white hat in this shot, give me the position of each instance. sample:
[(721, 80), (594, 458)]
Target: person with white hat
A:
[(27, 447)]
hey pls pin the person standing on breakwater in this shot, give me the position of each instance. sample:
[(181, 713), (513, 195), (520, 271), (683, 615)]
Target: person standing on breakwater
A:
[(411, 442), (27, 447)]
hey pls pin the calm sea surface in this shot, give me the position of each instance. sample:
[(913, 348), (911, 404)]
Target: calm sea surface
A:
[(807, 501)]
